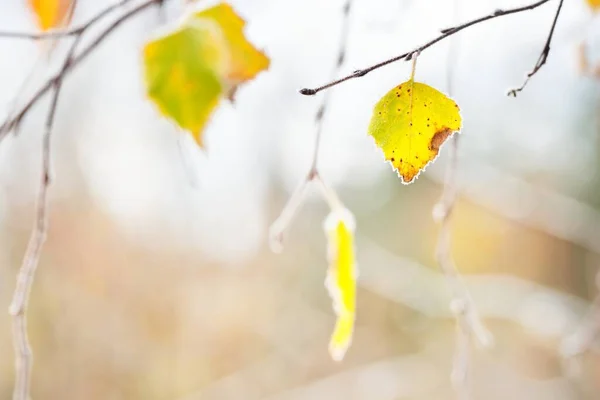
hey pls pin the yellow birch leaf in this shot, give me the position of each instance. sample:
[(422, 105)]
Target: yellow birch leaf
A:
[(341, 278), (245, 60), (52, 13), (410, 124), (181, 74), (594, 4)]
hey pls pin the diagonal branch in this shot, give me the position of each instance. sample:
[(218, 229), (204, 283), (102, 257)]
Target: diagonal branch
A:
[(408, 55), (543, 56)]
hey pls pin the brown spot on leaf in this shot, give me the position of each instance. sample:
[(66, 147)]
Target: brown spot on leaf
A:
[(439, 138)]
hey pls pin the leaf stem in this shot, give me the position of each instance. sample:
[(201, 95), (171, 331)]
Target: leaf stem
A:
[(414, 66)]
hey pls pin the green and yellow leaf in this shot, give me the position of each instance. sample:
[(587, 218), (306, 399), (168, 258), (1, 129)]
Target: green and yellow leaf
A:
[(181, 74), (189, 70), (52, 13), (410, 124), (341, 278)]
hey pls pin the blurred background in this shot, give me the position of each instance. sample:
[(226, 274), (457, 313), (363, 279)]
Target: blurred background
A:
[(157, 281)]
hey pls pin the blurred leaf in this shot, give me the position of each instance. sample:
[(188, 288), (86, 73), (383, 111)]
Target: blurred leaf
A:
[(52, 13), (181, 74), (245, 60), (594, 4), (410, 123), (341, 278), (191, 68)]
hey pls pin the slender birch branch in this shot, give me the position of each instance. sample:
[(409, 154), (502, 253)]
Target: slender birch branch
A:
[(445, 34)]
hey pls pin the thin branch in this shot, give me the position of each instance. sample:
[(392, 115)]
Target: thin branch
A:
[(340, 61), (18, 306), (12, 122), (408, 55), (543, 56), (291, 208)]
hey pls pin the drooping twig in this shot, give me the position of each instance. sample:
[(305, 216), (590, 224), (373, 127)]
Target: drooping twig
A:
[(289, 211), (18, 307), (25, 278), (13, 121), (468, 323), (408, 55), (543, 55)]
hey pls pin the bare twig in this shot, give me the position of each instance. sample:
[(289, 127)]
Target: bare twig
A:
[(18, 307), (12, 122), (289, 211), (543, 56), (408, 55)]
